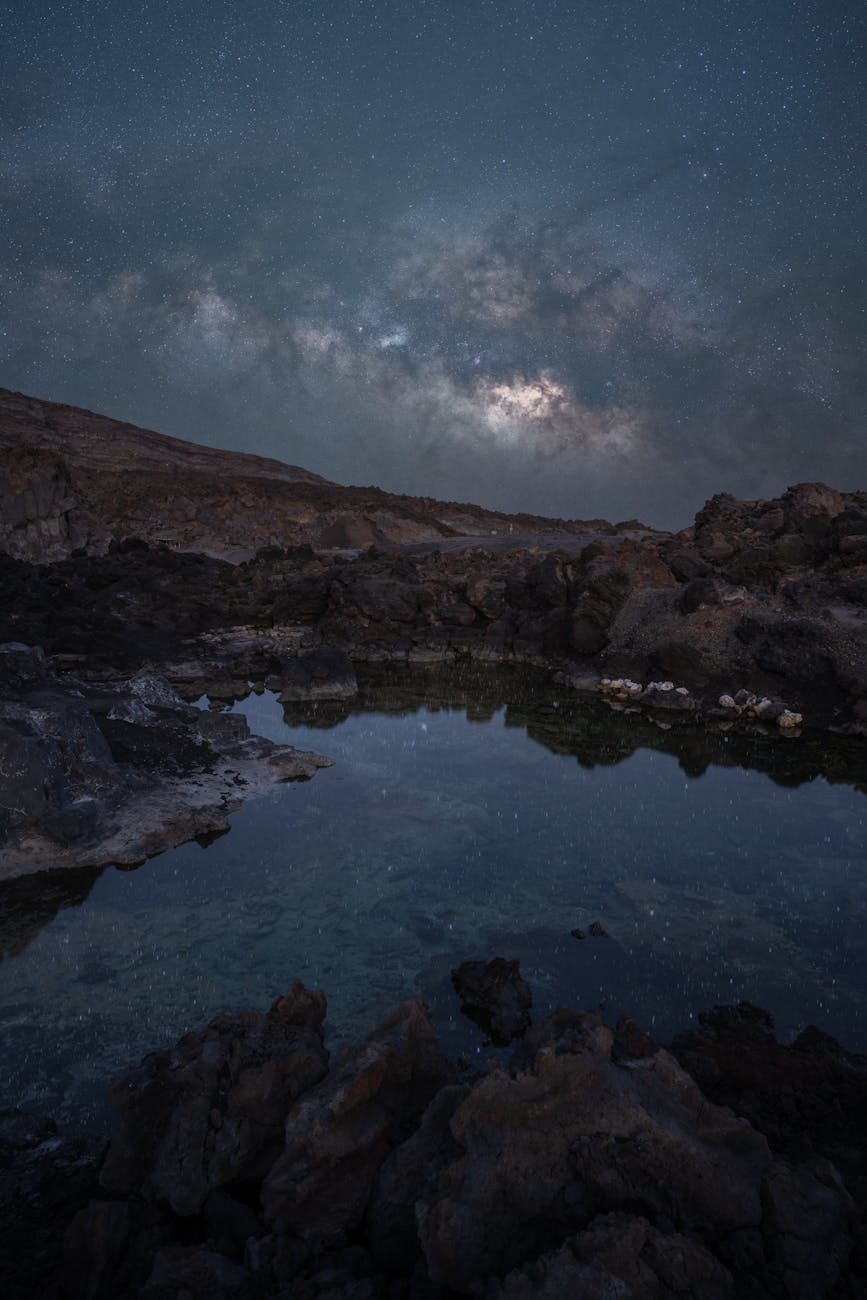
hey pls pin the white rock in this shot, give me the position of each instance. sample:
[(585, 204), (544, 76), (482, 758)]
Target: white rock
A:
[(788, 719), (726, 702), (681, 690), (666, 686)]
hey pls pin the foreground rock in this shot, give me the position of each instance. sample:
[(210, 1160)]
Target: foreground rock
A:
[(211, 1112), (91, 775), (338, 1136), (594, 1166), (46, 1178)]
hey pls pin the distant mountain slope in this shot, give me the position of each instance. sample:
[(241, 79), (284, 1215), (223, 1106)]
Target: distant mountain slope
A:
[(73, 479), (96, 442)]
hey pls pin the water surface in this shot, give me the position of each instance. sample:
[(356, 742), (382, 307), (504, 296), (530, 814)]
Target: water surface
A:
[(461, 818)]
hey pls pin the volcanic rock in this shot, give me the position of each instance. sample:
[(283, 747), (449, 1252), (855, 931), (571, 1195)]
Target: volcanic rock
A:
[(73, 480), (576, 1136), (593, 1166), (91, 775), (340, 1132), (45, 1178), (211, 1112)]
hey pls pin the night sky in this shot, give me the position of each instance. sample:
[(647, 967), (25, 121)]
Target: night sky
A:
[(576, 257)]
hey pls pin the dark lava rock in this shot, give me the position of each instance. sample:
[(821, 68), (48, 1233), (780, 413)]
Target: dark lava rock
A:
[(621, 1255), (593, 1166), (597, 931), (196, 1273), (410, 1171), (555, 1149), (494, 995), (339, 1133), (211, 1111), (631, 1043), (92, 774), (808, 1097), (45, 1179)]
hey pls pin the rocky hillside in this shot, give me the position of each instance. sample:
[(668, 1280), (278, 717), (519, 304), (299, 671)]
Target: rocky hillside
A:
[(72, 480)]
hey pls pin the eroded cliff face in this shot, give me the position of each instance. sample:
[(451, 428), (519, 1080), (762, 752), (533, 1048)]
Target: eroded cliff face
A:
[(74, 480)]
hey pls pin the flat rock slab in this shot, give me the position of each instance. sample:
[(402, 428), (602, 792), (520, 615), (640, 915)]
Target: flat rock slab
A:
[(113, 773)]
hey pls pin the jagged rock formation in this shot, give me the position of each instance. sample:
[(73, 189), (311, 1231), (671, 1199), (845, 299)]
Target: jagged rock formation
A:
[(766, 598), (594, 1165), (614, 606), (756, 615)]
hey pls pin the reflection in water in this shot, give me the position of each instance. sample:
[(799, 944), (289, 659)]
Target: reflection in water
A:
[(456, 823)]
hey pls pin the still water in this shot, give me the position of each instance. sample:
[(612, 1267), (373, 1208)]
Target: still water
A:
[(461, 819)]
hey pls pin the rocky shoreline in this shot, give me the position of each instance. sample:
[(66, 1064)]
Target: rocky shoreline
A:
[(754, 617), (779, 625), (113, 773), (593, 1162)]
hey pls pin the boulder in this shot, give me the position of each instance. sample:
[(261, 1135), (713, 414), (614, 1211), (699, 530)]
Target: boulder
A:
[(196, 1273), (338, 1135), (577, 1135), (46, 1178), (211, 1111), (620, 1255)]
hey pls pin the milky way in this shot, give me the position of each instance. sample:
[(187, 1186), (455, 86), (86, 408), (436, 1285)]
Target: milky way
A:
[(580, 258)]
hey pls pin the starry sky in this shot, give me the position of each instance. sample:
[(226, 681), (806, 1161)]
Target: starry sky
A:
[(580, 257)]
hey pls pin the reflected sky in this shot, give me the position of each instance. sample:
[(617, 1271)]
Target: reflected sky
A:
[(435, 838)]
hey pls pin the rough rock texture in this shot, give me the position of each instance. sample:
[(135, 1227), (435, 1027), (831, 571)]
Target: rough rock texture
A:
[(620, 1255), (339, 1134), (792, 633), (211, 1112), (595, 1166), (494, 995), (808, 1097), (577, 1135), (45, 1179), (113, 773)]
